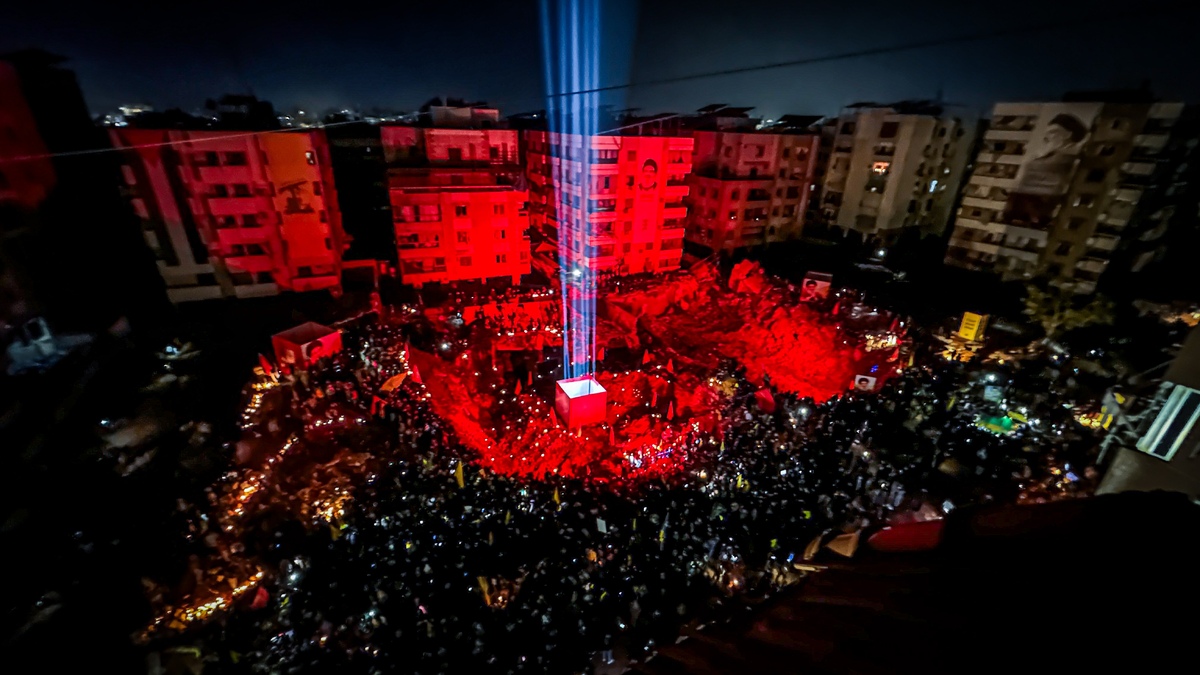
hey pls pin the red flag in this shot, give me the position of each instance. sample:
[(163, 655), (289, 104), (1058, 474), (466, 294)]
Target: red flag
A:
[(670, 365), (416, 375), (600, 354), (266, 365), (517, 391), (646, 357), (260, 598), (671, 410), (765, 400)]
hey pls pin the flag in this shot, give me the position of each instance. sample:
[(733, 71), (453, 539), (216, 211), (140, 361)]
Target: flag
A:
[(765, 400), (646, 357), (483, 588), (458, 474), (671, 410), (416, 375), (266, 365), (670, 365), (556, 499), (260, 598), (393, 382), (517, 390)]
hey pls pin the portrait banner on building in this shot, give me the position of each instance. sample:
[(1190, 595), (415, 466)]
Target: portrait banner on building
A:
[(1049, 162), (815, 287)]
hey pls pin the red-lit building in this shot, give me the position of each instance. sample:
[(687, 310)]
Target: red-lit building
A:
[(458, 212), (235, 215), (750, 187), (636, 188)]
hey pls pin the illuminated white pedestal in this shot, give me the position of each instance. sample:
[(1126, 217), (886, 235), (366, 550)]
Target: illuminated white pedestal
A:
[(580, 401)]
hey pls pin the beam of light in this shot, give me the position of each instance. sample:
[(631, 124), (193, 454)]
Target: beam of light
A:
[(571, 53)]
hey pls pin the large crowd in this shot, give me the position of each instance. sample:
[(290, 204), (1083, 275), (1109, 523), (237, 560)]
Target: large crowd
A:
[(418, 560)]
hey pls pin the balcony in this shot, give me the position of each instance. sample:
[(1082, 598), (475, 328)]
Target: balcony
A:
[(885, 150), (249, 263), (1090, 264), (1103, 242), (1127, 193), (1018, 253), (677, 210), (407, 245), (233, 206)]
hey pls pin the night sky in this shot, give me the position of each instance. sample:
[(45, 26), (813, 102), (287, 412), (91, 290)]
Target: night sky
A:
[(397, 55)]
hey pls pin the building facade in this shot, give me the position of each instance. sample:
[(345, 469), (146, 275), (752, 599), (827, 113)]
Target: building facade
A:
[(749, 188), (632, 200), (1056, 185), (894, 167), (458, 209), (235, 215)]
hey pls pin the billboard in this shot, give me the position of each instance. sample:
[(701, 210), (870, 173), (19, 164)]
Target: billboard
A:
[(1050, 157), (815, 287)]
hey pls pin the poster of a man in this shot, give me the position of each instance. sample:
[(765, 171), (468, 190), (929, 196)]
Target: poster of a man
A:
[(864, 383), (649, 179), (1050, 159), (815, 287)]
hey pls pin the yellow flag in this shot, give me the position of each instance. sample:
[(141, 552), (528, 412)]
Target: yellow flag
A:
[(483, 586), (556, 500), (334, 532), (662, 535), (458, 475), (507, 516), (235, 656), (635, 524)]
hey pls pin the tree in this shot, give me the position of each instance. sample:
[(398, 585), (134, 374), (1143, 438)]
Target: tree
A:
[(1059, 310)]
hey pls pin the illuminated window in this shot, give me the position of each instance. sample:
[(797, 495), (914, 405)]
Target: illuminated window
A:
[(880, 167)]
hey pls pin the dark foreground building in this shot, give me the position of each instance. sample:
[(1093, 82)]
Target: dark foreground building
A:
[(1067, 587)]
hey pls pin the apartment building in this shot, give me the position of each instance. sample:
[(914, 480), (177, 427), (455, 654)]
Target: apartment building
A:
[(750, 186), (235, 214), (1055, 186), (458, 209), (896, 166), (619, 200)]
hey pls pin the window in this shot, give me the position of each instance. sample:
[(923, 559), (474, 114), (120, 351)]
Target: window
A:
[(250, 220), (775, 211), (779, 192), (316, 188), (782, 173), (889, 129), (210, 159), (499, 235), (255, 249), (220, 191), (494, 153), (464, 261), (454, 154), (786, 152), (628, 205), (629, 181), (241, 190), (310, 157), (760, 150), (1085, 200), (734, 195), (464, 238), (235, 159), (502, 258), (324, 218), (1118, 123), (439, 262), (631, 156), (1106, 150), (912, 206), (789, 211), (460, 210), (701, 191), (728, 151), (880, 168), (626, 247), (733, 215), (847, 128), (497, 209), (1064, 249), (1095, 175), (1075, 223)]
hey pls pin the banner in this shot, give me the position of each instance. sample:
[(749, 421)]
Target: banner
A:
[(1049, 161)]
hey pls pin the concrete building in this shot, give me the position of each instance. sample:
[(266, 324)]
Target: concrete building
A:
[(70, 250), (235, 215), (750, 186), (1055, 186), (458, 209), (896, 166), (628, 214)]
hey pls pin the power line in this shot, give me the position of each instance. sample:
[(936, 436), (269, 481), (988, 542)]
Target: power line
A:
[(870, 51), (827, 58)]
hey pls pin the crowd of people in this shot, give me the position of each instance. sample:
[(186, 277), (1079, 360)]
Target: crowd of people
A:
[(418, 555)]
